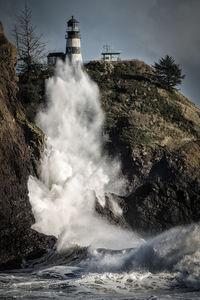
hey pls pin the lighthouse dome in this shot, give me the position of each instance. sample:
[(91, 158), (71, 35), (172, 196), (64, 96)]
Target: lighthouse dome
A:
[(72, 21)]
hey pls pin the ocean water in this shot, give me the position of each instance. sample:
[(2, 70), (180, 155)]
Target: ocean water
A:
[(165, 267), (93, 259)]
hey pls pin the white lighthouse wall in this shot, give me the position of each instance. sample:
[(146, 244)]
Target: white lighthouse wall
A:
[(74, 42)]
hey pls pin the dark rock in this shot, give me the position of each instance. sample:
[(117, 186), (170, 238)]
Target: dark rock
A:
[(155, 207), (109, 214), (18, 246), (20, 145)]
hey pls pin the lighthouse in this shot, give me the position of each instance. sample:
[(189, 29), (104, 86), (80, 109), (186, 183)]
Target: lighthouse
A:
[(73, 44)]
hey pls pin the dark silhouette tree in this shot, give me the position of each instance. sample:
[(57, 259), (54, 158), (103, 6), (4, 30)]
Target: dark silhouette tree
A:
[(169, 73), (31, 50)]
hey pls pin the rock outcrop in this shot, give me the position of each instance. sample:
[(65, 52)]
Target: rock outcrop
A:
[(20, 146), (156, 134)]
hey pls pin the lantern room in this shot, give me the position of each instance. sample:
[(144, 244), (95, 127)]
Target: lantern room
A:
[(73, 24), (73, 28)]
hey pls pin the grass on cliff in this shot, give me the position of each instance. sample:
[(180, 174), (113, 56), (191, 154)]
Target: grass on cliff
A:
[(128, 86)]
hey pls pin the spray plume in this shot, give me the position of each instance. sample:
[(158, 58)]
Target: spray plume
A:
[(74, 173)]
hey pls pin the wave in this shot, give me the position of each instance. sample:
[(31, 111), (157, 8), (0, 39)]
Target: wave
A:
[(170, 260)]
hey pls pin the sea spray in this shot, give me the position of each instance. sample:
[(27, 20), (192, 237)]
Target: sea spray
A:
[(74, 172)]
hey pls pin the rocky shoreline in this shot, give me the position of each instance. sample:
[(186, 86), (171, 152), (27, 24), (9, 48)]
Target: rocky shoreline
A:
[(155, 134)]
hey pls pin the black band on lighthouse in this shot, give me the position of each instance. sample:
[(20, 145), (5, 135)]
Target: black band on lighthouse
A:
[(73, 50)]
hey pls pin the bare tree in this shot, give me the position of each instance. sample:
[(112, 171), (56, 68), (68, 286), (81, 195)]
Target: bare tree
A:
[(31, 50)]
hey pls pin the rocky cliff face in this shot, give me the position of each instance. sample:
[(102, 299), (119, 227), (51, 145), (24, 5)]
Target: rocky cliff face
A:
[(20, 145), (156, 134)]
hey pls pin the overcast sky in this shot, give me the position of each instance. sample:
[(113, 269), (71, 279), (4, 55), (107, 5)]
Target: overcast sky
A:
[(141, 29)]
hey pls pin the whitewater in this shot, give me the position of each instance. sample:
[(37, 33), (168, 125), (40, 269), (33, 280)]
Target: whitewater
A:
[(93, 259)]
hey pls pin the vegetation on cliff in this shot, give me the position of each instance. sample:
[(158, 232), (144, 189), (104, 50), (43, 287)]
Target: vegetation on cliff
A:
[(156, 133), (168, 72), (31, 92), (138, 111)]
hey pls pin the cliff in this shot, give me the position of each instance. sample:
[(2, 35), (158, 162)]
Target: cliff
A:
[(20, 146), (156, 134)]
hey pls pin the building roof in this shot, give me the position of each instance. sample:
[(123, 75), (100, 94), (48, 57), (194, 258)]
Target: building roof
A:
[(72, 21), (55, 54), (110, 53)]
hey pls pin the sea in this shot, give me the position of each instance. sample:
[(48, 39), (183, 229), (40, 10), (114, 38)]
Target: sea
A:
[(164, 267)]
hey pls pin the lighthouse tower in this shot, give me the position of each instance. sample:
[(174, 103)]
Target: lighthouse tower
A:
[(73, 44)]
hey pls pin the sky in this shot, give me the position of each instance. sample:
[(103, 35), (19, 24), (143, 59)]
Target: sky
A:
[(140, 29)]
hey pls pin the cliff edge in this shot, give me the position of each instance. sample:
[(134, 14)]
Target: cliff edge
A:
[(20, 146)]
